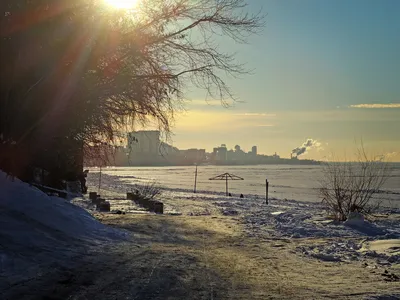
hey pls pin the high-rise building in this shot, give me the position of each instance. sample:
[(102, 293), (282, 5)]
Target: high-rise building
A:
[(194, 155), (144, 141), (254, 150), (222, 153)]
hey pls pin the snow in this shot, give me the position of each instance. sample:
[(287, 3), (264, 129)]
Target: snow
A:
[(38, 232), (389, 247), (384, 297), (326, 239), (355, 218), (306, 224)]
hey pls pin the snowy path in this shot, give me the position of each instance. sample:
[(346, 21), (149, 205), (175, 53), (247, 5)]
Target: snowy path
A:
[(287, 219), (209, 257)]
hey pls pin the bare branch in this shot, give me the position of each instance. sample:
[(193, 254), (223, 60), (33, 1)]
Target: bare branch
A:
[(350, 186)]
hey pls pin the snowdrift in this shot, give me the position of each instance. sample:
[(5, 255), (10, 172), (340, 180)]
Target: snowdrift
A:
[(38, 231)]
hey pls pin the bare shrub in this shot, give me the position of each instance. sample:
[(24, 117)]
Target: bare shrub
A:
[(148, 191), (349, 186)]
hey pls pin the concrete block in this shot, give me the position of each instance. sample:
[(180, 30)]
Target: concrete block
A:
[(158, 207), (104, 206), (92, 196)]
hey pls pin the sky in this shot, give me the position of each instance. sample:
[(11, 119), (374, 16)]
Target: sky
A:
[(322, 70)]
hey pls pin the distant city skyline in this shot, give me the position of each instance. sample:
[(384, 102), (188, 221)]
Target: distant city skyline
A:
[(145, 148), (151, 140)]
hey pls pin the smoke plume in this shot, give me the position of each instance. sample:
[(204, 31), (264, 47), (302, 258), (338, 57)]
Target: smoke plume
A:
[(308, 144)]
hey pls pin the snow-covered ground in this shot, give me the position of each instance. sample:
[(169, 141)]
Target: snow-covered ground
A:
[(40, 233), (306, 223), (326, 239)]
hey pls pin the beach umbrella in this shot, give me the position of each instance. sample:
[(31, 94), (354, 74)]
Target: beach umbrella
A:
[(226, 177)]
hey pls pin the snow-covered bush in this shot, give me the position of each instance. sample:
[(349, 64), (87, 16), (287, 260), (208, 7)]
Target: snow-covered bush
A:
[(349, 186), (148, 191)]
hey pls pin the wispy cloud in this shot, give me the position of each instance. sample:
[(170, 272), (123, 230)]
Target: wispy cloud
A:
[(391, 154), (190, 103), (376, 105), (198, 102)]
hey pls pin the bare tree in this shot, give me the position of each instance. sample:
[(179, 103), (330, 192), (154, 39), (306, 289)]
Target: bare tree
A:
[(78, 69), (350, 186)]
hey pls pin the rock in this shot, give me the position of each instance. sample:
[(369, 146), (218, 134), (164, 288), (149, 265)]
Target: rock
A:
[(158, 207), (150, 204), (104, 206), (92, 196), (355, 218), (143, 202), (136, 198), (391, 277), (230, 212)]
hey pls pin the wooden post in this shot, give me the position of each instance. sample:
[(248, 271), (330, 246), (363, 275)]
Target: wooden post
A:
[(104, 206), (151, 205), (100, 180), (226, 184), (195, 180), (158, 207), (266, 191), (92, 195)]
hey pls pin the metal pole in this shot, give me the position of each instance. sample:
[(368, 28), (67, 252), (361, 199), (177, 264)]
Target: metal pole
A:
[(266, 191), (195, 180), (226, 179)]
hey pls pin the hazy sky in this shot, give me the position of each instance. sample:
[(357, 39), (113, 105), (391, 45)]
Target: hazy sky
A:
[(325, 70)]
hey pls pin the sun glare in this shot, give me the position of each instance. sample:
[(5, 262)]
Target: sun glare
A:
[(123, 4)]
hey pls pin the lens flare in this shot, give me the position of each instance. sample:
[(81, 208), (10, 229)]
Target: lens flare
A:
[(122, 4)]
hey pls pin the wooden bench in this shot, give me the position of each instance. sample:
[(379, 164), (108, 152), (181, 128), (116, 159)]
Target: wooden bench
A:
[(49, 190), (149, 204)]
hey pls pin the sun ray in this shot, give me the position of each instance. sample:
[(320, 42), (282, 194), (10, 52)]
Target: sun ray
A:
[(122, 4)]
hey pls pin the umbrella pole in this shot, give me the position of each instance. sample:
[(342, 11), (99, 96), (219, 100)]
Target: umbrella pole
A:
[(195, 180), (226, 179)]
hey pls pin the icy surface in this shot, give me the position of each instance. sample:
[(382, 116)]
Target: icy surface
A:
[(285, 181)]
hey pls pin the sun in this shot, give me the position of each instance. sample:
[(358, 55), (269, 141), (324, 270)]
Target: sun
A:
[(123, 4)]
